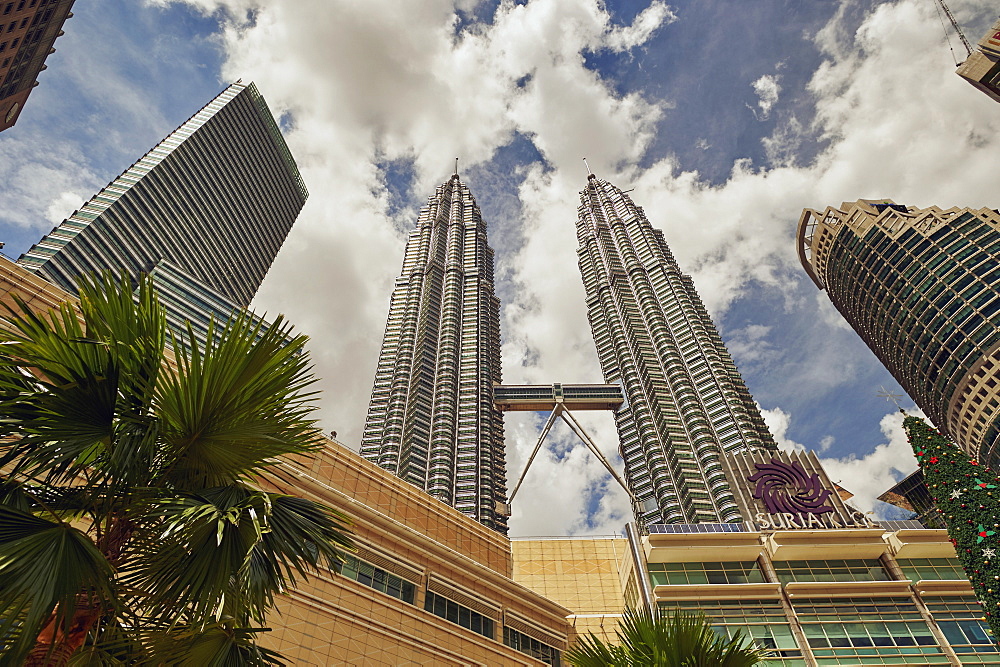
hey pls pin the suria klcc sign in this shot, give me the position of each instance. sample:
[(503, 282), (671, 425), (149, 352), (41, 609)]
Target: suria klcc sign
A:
[(795, 499)]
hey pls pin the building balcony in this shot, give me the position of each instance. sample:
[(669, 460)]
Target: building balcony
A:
[(847, 589), (698, 592), (921, 543), (700, 547), (826, 544)]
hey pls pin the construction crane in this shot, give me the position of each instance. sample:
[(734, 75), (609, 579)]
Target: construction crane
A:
[(954, 23)]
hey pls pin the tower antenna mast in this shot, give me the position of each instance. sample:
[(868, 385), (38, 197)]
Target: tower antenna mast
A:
[(954, 23)]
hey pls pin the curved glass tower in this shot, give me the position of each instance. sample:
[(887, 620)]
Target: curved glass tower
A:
[(921, 286), (431, 420), (685, 401)]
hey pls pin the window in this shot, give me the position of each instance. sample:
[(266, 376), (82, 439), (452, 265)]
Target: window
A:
[(377, 578), (958, 618), (830, 570), (530, 646), (704, 573), (8, 8), (764, 622), (456, 613), (867, 627), (917, 569)]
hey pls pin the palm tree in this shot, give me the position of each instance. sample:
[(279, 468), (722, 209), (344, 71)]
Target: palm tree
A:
[(661, 639), (133, 525)]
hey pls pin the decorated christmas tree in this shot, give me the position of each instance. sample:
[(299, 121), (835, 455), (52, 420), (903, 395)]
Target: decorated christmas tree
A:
[(968, 495)]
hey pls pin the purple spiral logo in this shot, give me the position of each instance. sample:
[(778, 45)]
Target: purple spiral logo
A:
[(787, 487)]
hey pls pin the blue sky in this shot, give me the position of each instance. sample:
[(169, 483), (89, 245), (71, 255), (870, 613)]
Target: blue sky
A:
[(726, 117)]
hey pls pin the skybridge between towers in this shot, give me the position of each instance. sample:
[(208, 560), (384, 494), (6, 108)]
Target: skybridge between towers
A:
[(560, 400)]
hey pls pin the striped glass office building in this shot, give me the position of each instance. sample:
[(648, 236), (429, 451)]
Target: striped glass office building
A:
[(921, 286), (685, 402), (204, 212), (431, 420)]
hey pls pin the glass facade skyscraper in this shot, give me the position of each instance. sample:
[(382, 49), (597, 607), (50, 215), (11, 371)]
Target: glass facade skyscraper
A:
[(204, 212), (685, 402), (921, 286), (431, 420)]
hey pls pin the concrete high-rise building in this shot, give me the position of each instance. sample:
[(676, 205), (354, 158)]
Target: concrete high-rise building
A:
[(982, 67), (685, 402), (921, 286), (431, 419), (204, 212), (28, 29)]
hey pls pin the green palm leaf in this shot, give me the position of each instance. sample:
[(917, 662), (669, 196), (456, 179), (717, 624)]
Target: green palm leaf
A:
[(218, 645), (233, 548), (229, 412), (47, 569), (77, 394), (662, 639)]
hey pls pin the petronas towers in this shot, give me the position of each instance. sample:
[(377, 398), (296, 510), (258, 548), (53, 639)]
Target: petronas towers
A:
[(685, 401), (432, 421)]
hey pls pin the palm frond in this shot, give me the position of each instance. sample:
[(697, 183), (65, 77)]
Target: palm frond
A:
[(665, 639), (79, 398), (47, 571), (229, 550), (229, 411), (157, 462), (218, 645), (301, 536)]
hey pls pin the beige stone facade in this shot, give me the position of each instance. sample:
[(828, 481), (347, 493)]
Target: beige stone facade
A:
[(332, 620), (982, 67), (588, 575), (37, 293)]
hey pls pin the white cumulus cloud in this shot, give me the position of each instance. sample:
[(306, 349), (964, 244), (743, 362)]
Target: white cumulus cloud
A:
[(767, 89)]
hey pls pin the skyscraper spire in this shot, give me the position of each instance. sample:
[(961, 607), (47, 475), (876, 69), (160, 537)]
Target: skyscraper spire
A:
[(685, 401), (431, 419)]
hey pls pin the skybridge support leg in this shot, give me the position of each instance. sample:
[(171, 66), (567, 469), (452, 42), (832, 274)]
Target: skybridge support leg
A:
[(541, 438), (575, 425)]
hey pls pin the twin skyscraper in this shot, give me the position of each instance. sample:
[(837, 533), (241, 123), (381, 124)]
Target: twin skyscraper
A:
[(432, 418)]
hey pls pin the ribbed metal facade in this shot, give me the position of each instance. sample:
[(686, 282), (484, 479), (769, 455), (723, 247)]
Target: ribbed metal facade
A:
[(685, 401), (205, 211), (431, 420), (921, 286)]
